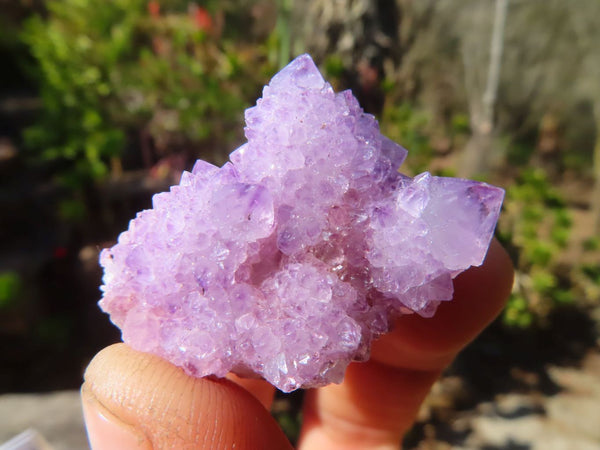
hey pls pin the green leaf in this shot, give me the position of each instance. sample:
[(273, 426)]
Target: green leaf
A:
[(10, 288)]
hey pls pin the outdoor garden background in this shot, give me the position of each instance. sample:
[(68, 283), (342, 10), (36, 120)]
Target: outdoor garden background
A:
[(105, 102)]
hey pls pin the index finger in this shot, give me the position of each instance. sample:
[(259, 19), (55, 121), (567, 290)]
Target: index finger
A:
[(378, 400)]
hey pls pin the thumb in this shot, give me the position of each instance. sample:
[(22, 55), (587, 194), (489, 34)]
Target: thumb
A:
[(133, 400)]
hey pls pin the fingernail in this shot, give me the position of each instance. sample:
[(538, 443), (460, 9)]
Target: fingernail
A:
[(106, 432)]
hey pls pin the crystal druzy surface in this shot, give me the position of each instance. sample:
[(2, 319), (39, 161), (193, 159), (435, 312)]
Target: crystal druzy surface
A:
[(290, 259)]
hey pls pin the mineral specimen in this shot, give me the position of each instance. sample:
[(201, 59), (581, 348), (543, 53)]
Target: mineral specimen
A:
[(289, 260)]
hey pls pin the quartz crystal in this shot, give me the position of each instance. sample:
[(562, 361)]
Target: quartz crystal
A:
[(290, 259)]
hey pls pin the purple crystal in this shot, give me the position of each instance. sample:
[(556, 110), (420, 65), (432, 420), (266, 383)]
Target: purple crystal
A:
[(288, 261)]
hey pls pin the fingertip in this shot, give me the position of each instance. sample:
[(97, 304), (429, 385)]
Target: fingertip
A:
[(151, 401), (105, 430), (261, 389)]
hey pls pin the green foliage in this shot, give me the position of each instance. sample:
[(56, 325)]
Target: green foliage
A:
[(592, 243), (587, 278), (460, 124), (592, 271), (72, 209), (334, 67), (10, 288), (76, 50), (280, 41), (409, 127), (55, 330), (536, 227), (517, 312), (290, 422), (106, 68), (519, 153), (445, 172)]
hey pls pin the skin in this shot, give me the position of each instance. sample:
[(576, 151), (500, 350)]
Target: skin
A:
[(137, 400)]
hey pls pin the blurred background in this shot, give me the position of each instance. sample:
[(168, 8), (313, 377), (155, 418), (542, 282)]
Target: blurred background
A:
[(105, 102)]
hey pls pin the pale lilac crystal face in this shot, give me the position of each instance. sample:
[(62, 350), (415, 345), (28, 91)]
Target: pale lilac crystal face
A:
[(288, 261)]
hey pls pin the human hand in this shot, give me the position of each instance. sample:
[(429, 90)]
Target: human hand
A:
[(133, 400)]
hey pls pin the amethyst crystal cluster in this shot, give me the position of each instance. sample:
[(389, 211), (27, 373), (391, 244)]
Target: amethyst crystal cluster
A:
[(289, 260)]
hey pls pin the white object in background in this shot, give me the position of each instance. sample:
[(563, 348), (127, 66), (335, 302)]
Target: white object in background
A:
[(29, 439)]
